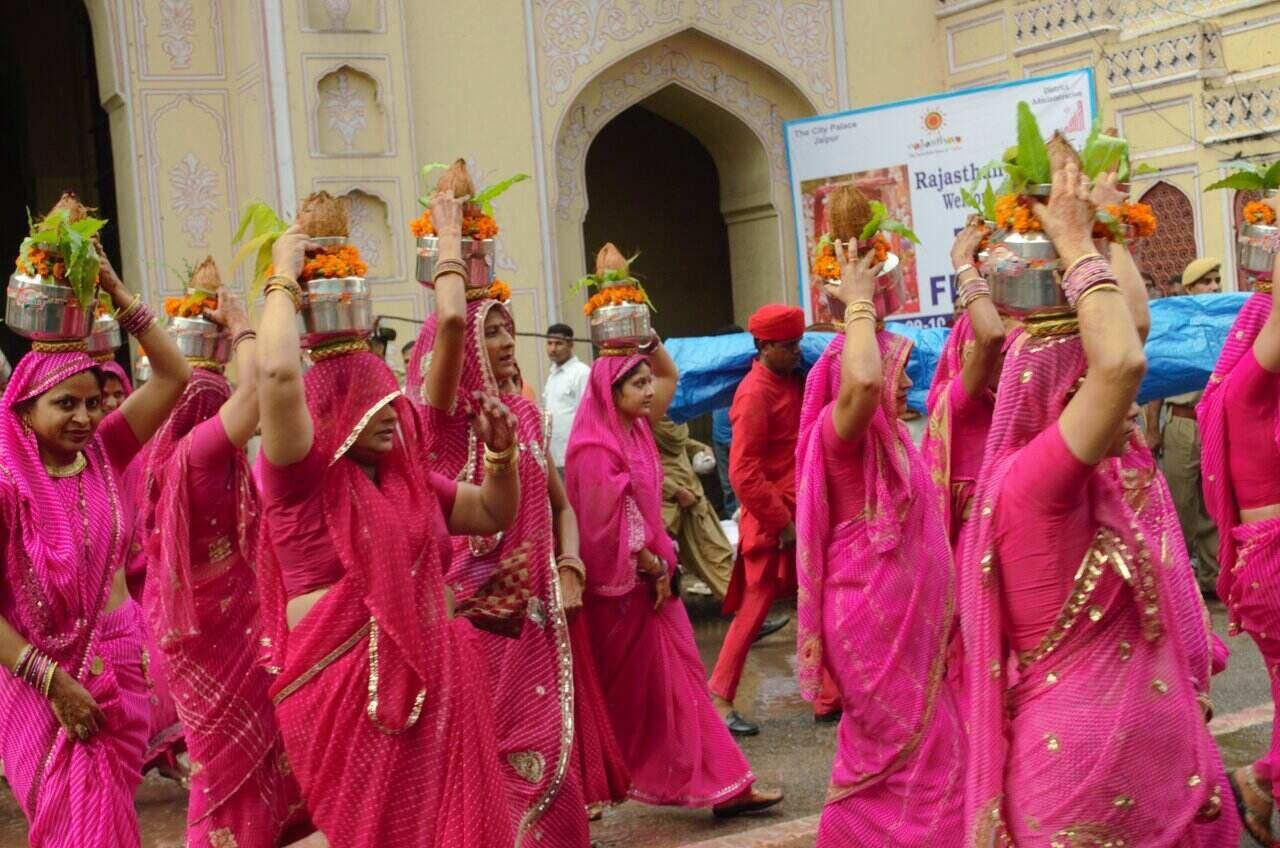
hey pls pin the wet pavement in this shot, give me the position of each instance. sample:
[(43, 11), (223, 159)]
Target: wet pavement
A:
[(791, 752)]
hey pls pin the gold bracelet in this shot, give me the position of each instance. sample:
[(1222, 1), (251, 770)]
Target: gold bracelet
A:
[(288, 281), (48, 679), (862, 303), (573, 564), (848, 321), (130, 309), (290, 288), (1084, 258), (490, 455), (1096, 288), (22, 659), (446, 267)]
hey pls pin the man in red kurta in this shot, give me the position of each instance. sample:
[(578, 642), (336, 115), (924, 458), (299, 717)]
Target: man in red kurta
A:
[(762, 467)]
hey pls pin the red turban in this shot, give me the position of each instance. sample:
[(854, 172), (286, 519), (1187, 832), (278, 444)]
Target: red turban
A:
[(777, 323)]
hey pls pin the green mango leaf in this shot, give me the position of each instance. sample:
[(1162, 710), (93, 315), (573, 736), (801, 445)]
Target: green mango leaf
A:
[(1015, 180), (1241, 181), (878, 214), (889, 225), (823, 242), (105, 300), (1103, 153), (1113, 224), (989, 203), (1033, 153), (485, 198), (1143, 169), (1272, 175), (428, 168), (970, 199), (1010, 154)]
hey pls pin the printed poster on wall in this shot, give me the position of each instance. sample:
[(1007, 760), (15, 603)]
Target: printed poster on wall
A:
[(915, 156)]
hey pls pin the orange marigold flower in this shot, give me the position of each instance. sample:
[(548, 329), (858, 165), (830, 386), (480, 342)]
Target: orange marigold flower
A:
[(613, 296), (1259, 212), (826, 267), (479, 226), (500, 291), (333, 262), (422, 226)]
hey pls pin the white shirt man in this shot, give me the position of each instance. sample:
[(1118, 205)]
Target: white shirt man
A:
[(564, 388)]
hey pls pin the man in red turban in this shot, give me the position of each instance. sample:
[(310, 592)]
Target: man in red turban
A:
[(762, 467)]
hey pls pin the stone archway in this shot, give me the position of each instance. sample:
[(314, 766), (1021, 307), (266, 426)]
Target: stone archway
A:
[(735, 105)]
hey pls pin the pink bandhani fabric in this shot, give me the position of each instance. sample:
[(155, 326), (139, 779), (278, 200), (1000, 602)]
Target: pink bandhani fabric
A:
[(1095, 734), (530, 672), (165, 740), (938, 444), (385, 722), (875, 610), (202, 606), (1249, 554), (111, 368), (63, 539), (673, 741)]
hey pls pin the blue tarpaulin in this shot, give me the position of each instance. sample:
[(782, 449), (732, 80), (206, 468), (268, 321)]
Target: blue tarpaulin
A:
[(1187, 334)]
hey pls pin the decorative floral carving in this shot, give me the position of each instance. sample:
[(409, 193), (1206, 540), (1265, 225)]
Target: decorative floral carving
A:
[(346, 109), (633, 82), (362, 211), (800, 32), (177, 25), (1173, 246), (194, 192), (338, 10)]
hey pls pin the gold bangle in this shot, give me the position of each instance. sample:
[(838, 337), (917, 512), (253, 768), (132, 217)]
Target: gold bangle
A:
[(1096, 288), (573, 564), (22, 659), (48, 679), (490, 455), (862, 303), (288, 281), (130, 309), (848, 321), (290, 288), (1084, 258)]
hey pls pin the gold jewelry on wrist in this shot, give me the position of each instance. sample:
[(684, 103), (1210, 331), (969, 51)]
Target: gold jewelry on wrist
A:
[(449, 266), (572, 563), (1097, 288), (500, 463), (130, 309), (288, 285), (22, 660), (48, 679)]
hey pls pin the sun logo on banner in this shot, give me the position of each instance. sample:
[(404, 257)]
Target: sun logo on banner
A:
[(933, 120)]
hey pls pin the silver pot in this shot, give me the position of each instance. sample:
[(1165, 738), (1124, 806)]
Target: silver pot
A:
[(1023, 271), (334, 308), (1256, 247), (891, 289), (106, 337), (479, 257), (142, 371), (200, 339), (41, 310), (624, 325)]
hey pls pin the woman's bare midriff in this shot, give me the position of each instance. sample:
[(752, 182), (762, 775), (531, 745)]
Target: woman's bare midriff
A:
[(119, 591), (301, 605), (1262, 513)]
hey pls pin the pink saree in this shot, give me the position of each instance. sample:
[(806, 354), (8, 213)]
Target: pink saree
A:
[(63, 539), (530, 664), (202, 606), (1094, 734), (1249, 582), (385, 722), (876, 611), (673, 741)]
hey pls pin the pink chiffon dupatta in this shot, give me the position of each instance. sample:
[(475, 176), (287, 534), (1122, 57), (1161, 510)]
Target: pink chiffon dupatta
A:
[(1096, 733)]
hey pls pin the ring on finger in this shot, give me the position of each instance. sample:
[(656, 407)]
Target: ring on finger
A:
[(82, 732)]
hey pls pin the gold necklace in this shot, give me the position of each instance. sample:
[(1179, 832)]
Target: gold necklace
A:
[(75, 467)]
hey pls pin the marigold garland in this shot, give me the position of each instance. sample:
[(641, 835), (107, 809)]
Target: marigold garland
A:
[(331, 262), (1013, 212), (1259, 212), (475, 225), (614, 296), (190, 306), (500, 291), (41, 263), (1136, 219), (827, 267)]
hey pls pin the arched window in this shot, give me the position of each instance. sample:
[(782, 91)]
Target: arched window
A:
[(1165, 254)]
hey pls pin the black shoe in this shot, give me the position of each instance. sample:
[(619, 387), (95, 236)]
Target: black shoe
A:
[(772, 625), (740, 726), (828, 718)]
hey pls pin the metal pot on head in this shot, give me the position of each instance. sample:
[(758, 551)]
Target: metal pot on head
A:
[(41, 309), (478, 255), (335, 308), (1257, 246)]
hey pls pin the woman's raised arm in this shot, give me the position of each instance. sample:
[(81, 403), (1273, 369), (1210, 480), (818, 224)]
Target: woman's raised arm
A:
[(148, 407), (1266, 347), (665, 377), (287, 431), (240, 413), (1093, 420), (861, 371), (982, 366), (445, 373)]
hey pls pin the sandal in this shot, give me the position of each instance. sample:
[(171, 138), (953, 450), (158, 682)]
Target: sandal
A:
[(1253, 804), (751, 801)]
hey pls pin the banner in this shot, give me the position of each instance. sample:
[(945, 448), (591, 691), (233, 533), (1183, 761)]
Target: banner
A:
[(915, 156)]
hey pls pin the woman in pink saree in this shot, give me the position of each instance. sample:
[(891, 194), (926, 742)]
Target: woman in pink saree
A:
[(386, 724), (201, 525), (74, 705), (961, 394), (673, 741), (876, 592), (1085, 723), (511, 586), (1240, 426)]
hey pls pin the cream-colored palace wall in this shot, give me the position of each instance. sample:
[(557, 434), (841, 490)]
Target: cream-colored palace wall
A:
[(216, 102)]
